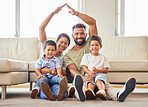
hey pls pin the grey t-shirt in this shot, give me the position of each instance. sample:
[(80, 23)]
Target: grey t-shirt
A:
[(75, 57)]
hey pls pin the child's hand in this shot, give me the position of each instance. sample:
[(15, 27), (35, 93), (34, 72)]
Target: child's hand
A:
[(53, 72), (94, 70), (60, 75), (41, 76), (92, 74)]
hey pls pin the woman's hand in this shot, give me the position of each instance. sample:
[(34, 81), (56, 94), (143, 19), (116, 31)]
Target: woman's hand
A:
[(59, 9), (60, 75), (53, 72)]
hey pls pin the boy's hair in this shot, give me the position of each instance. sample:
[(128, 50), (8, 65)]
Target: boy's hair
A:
[(97, 38), (50, 43), (79, 25), (64, 35)]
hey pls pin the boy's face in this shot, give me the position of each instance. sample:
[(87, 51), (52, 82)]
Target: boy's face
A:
[(95, 47), (49, 51)]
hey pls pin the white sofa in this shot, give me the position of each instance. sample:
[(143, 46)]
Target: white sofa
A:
[(15, 53), (128, 57)]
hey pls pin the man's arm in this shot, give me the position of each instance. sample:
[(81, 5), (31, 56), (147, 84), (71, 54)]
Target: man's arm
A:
[(87, 19), (73, 70)]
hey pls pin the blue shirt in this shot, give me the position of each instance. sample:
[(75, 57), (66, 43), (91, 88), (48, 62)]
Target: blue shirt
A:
[(52, 63)]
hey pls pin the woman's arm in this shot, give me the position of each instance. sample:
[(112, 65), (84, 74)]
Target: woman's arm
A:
[(42, 33), (64, 72), (46, 70)]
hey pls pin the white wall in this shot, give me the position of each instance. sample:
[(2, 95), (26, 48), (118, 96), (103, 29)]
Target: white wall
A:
[(104, 13)]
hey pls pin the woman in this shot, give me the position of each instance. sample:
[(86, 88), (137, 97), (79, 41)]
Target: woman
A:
[(62, 42)]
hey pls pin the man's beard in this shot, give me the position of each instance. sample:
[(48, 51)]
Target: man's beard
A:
[(81, 43)]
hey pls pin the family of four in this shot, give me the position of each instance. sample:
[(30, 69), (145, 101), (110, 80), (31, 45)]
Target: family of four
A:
[(83, 62)]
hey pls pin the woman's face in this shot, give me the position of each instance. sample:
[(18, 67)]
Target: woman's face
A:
[(62, 44)]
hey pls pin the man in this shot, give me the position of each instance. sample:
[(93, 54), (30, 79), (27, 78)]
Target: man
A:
[(74, 56)]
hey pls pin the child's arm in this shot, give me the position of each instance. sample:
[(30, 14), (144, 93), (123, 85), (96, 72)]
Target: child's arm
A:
[(59, 72), (86, 70), (103, 70), (39, 74)]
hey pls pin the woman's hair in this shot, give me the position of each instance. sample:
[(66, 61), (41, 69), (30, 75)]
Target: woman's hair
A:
[(50, 43), (64, 35), (97, 38)]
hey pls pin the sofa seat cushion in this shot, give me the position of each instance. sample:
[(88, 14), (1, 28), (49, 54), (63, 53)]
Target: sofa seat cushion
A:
[(10, 65), (129, 65), (32, 65), (12, 78), (33, 76), (122, 77)]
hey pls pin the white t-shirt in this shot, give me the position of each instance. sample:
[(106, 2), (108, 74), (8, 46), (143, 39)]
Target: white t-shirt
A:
[(91, 61)]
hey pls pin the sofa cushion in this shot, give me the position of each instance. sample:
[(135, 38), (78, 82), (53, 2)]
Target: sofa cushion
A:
[(25, 49), (125, 48), (12, 78), (129, 65), (10, 65), (33, 77), (122, 77), (32, 65)]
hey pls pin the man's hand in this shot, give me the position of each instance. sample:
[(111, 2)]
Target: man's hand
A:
[(72, 11), (59, 9), (41, 76)]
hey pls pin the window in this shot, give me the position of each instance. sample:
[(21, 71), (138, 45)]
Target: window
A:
[(33, 13), (7, 18), (22, 18), (133, 18)]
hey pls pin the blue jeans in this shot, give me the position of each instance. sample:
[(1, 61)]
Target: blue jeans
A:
[(53, 82)]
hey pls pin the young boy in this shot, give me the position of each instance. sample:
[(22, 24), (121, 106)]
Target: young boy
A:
[(97, 65), (54, 76)]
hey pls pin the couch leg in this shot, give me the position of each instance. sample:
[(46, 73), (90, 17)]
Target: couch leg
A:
[(30, 86), (3, 96)]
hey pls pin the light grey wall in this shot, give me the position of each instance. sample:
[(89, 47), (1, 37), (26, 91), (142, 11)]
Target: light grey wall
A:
[(104, 13)]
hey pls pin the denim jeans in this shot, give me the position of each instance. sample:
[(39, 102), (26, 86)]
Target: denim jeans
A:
[(53, 82)]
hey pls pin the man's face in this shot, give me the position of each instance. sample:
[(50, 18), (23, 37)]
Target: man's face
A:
[(79, 36)]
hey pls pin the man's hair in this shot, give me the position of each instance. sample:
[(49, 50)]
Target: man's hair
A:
[(64, 35), (50, 43), (79, 25), (97, 38)]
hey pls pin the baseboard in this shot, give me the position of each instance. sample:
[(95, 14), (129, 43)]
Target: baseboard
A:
[(116, 86)]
